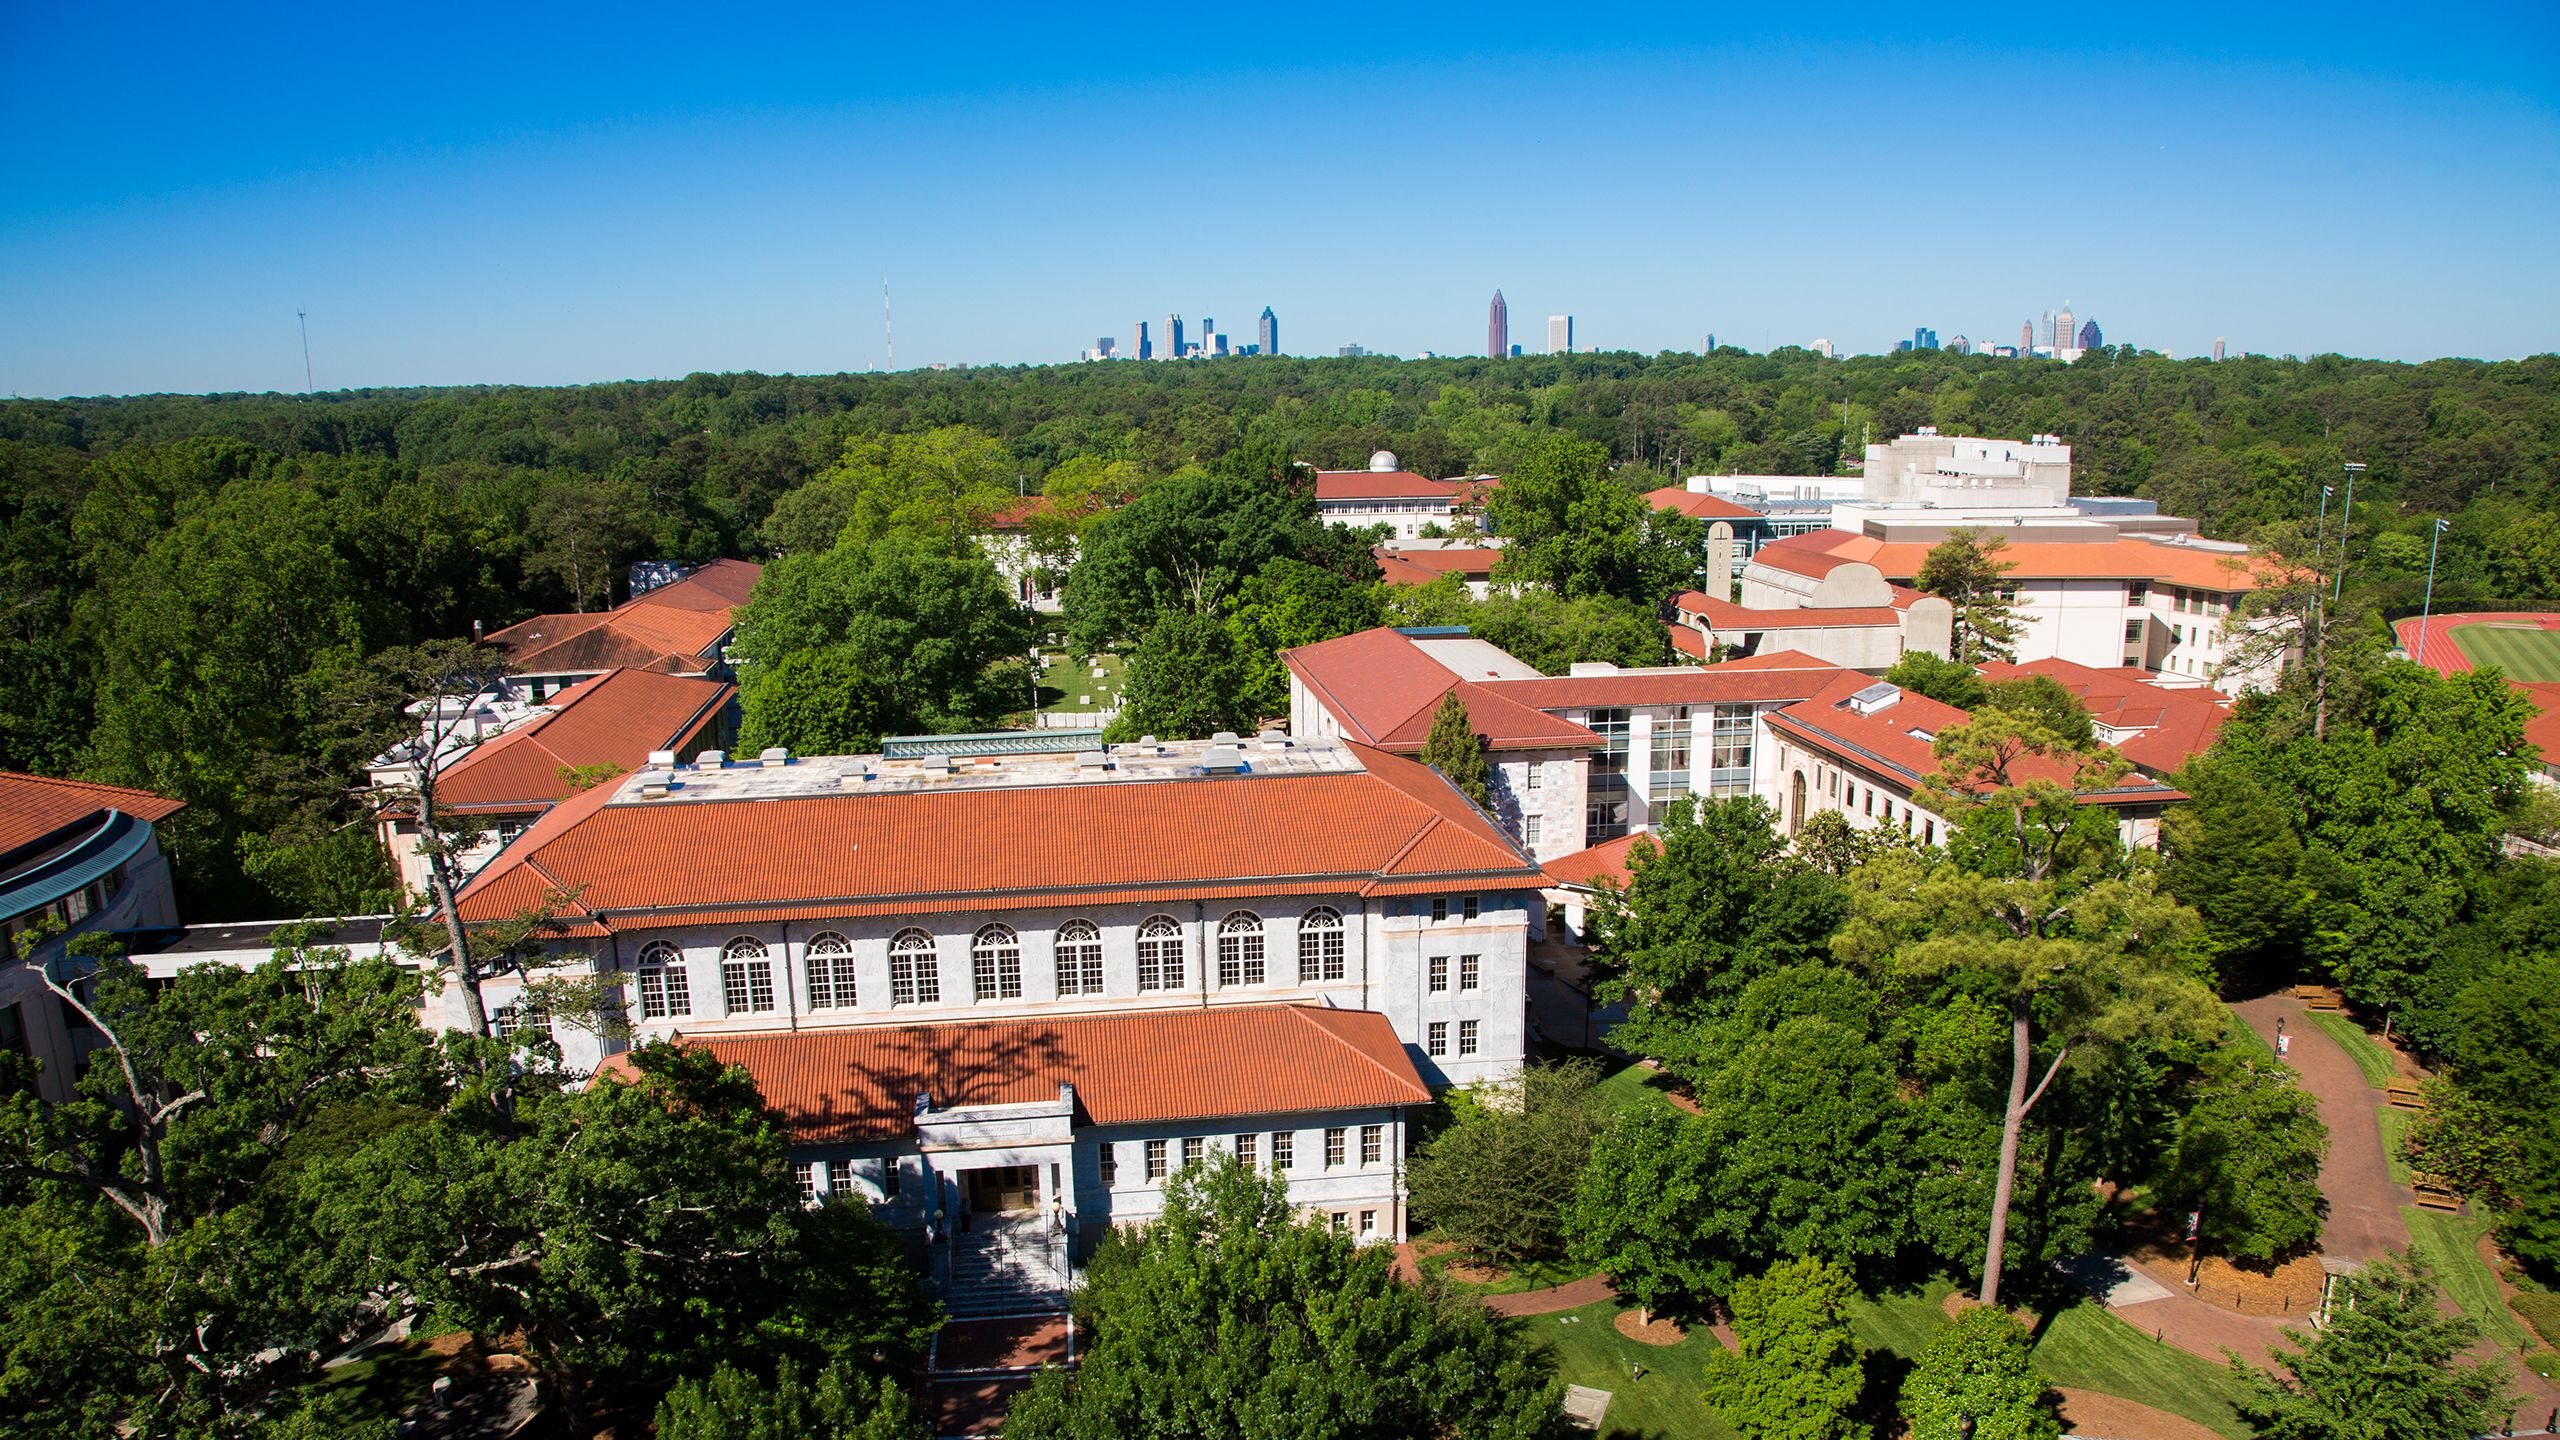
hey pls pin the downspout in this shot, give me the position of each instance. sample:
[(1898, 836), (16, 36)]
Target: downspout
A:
[(1200, 928), (790, 987)]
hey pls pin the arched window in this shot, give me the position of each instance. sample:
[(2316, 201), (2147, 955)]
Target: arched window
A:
[(1240, 948), (1319, 946), (915, 975), (830, 972), (1079, 958), (746, 976), (1160, 954), (663, 991), (995, 963)]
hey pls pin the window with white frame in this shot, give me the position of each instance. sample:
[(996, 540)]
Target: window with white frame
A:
[(805, 1175), (1537, 774), (1729, 751), (1466, 1037), (915, 973), (1240, 949), (1109, 1155), (1373, 1144), (839, 1177), (1368, 1223), (1335, 1147), (1532, 828), (1160, 954), (662, 985), (746, 976), (1435, 1038), (1319, 946), (503, 1020), (889, 1178), (995, 963), (1245, 1144), (1439, 977), (1079, 958), (1195, 1149), (1284, 1151), (830, 972), (1155, 1159), (1470, 972)]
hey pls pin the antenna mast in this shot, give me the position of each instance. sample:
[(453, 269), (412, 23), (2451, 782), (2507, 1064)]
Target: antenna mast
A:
[(305, 322), (888, 331)]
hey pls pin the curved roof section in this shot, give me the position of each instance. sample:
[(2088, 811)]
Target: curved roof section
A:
[(1127, 1067)]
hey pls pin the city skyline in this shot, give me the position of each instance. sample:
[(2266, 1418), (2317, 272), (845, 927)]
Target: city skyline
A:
[(468, 213)]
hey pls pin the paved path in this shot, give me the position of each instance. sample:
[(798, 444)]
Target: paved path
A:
[(1589, 1290), (2364, 1205)]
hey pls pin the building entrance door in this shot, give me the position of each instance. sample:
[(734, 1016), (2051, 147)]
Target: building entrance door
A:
[(1004, 1189)]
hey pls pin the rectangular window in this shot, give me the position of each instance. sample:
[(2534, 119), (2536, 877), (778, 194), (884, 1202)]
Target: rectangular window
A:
[(1435, 1038), (805, 1175), (1194, 1150), (1155, 1159), (889, 1178), (1439, 980), (2132, 630), (1470, 971), (1340, 1219), (1439, 908), (1530, 828), (839, 1177), (1110, 1167), (1334, 1151), (1466, 1037), (2138, 593), (1471, 907), (1245, 1149), (1729, 752), (1537, 775), (1373, 1144), (1284, 1151), (1668, 775), (1604, 812), (1368, 1223)]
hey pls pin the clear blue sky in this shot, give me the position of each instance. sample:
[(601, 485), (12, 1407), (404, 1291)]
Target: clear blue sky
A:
[(493, 194)]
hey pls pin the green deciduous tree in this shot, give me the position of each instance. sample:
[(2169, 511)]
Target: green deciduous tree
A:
[(1949, 682), (1966, 570), (1499, 1179), (2388, 1363), (1569, 526), (1186, 682), (585, 528), (814, 702), (941, 485), (837, 1403), (1288, 603), (1796, 1369), (1230, 1317), (1457, 751), (1636, 1205), (2248, 1156), (1980, 1367)]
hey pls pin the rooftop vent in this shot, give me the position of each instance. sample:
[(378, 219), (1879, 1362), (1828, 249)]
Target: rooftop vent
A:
[(1223, 737), (934, 764), (656, 782), (1272, 740), (663, 759), (1875, 698), (1093, 761), (710, 760), (1222, 760), (856, 773), (775, 755)]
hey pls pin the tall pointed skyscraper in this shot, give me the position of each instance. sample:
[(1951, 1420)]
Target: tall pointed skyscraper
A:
[(1497, 328), (1268, 338)]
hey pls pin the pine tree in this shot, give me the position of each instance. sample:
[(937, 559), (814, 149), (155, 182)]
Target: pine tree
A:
[(1966, 570), (1457, 751), (2388, 1362)]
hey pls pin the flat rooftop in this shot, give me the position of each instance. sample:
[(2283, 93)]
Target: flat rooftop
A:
[(1224, 756)]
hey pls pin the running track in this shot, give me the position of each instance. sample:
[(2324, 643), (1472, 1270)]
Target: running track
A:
[(2445, 657)]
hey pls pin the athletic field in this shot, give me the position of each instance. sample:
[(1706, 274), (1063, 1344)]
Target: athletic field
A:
[(2519, 646)]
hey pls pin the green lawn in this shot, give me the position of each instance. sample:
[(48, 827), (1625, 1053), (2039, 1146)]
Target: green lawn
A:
[(2088, 1348), (1900, 1322), (2525, 654), (1633, 1084), (2395, 1128), (2368, 1053), (1664, 1404), (1065, 681), (1536, 1275), (2450, 1243)]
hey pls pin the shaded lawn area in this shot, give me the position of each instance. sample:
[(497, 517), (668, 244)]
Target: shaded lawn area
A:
[(2450, 1244), (2087, 1348), (1534, 1275), (1664, 1405), (2395, 1128), (1065, 680), (2368, 1053), (1633, 1084)]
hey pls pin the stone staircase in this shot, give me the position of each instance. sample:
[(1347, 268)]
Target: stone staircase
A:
[(1006, 1267)]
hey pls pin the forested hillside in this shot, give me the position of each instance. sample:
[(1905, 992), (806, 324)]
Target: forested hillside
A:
[(201, 590)]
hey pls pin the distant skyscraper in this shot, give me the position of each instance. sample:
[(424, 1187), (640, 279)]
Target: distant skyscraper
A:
[(2044, 330), (1559, 334), (1923, 338), (1208, 338), (2091, 337), (2027, 338), (1270, 336), (1711, 344), (1515, 349), (1140, 347), (1960, 345), (2065, 333), (2217, 347), (1172, 337), (1497, 328), (1822, 348)]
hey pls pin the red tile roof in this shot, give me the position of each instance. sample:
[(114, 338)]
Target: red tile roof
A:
[(1820, 552), (1384, 688), (720, 585), (33, 807), (1421, 567), (1892, 739), (1587, 869), (1687, 640), (1382, 485), (2176, 725), (671, 639), (617, 718), (984, 848), (1725, 615), (1131, 1067), (1732, 683), (1699, 504)]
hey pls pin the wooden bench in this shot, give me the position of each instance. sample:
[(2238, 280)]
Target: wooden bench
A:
[(2405, 1095), (2433, 1193), (2320, 999)]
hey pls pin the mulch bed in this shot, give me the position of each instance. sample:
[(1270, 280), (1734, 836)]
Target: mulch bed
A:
[(1660, 1332), (2291, 1289)]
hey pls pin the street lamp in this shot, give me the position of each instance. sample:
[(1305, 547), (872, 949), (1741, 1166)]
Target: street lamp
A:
[(2427, 608), (2346, 514)]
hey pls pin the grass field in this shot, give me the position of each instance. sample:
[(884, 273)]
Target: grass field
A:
[(2368, 1053), (2395, 1128), (2525, 654), (2087, 1348), (1664, 1404), (2451, 1245), (1065, 682)]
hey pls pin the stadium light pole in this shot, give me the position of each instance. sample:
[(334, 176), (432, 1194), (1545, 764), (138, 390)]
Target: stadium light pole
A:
[(2427, 608), (2346, 515)]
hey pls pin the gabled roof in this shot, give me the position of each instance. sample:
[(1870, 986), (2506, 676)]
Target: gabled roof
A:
[(38, 807), (2126, 558), (719, 585), (1725, 615), (1794, 676), (1898, 740), (1421, 567), (1381, 485), (617, 718), (1131, 1067), (1390, 826), (671, 639), (1383, 689), (1699, 504), (1604, 862), (2175, 725)]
